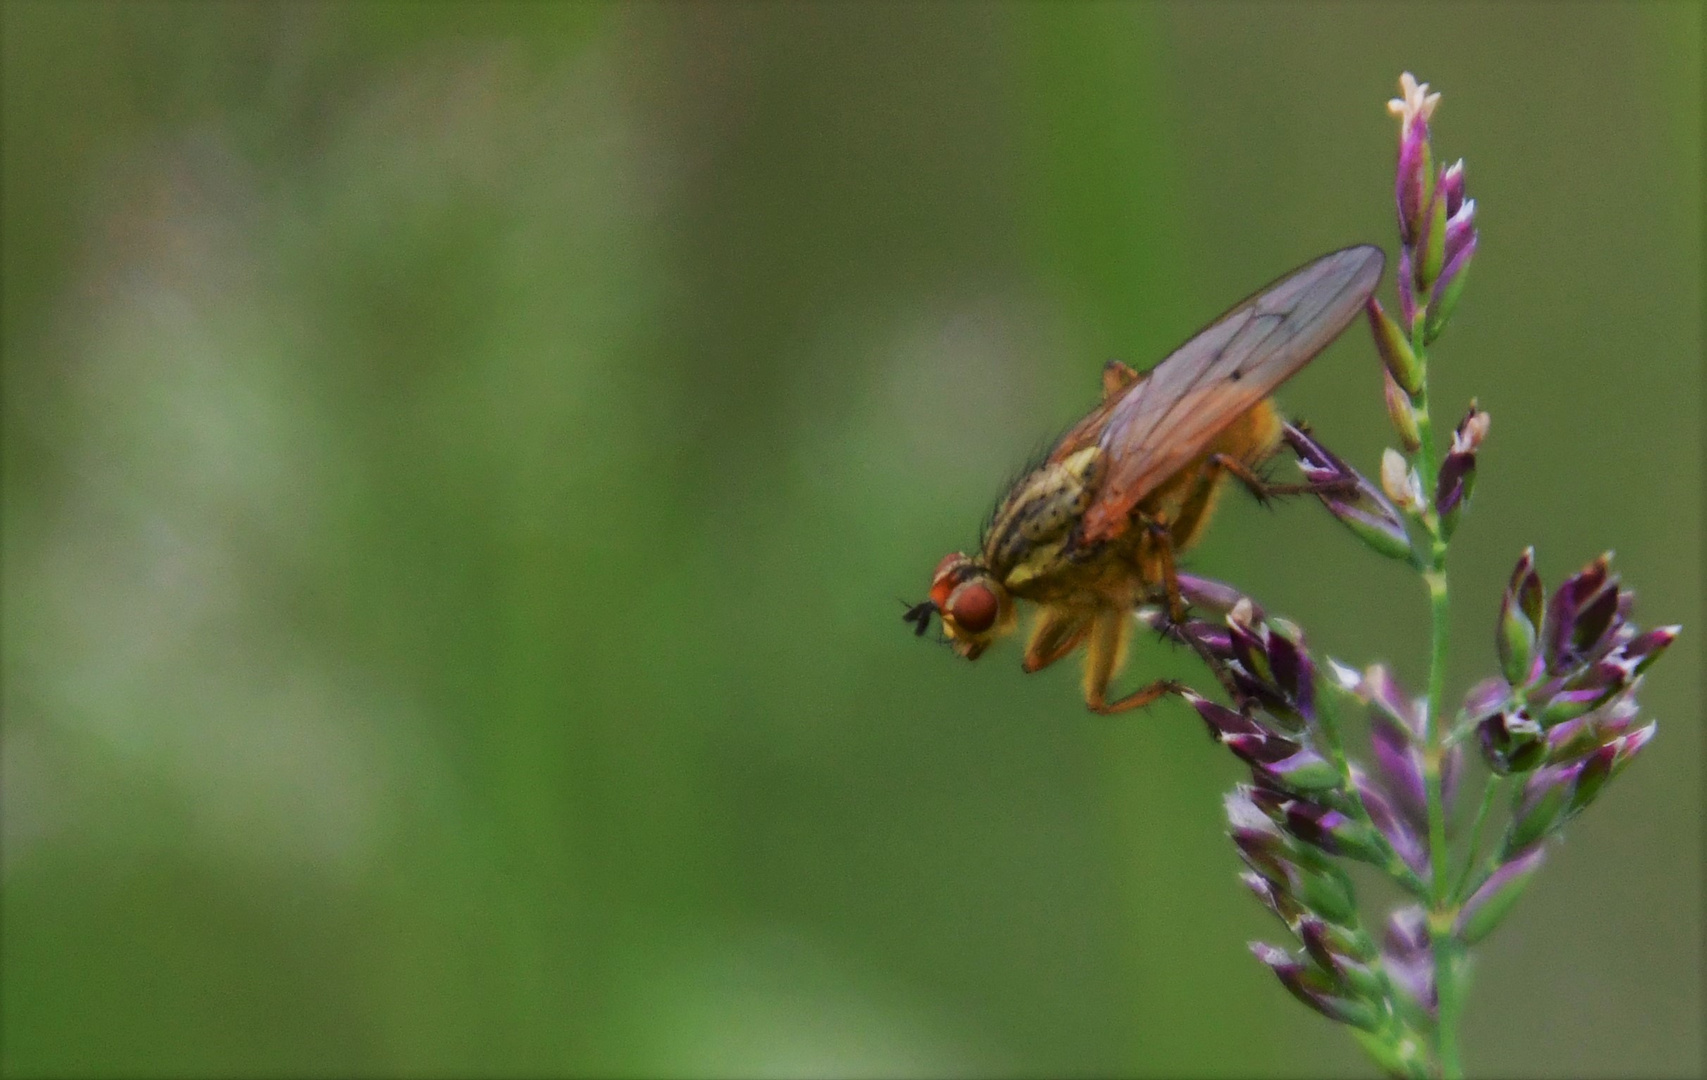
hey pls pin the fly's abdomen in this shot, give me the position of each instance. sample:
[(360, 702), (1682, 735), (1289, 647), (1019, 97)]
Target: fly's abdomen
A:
[(1038, 514)]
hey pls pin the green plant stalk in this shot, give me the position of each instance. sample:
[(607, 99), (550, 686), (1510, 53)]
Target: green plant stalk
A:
[(1441, 909), (1463, 890)]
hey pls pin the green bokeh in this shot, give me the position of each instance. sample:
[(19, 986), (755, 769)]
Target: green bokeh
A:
[(460, 462)]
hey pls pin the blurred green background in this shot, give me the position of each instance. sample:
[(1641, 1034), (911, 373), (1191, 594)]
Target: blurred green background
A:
[(461, 462)]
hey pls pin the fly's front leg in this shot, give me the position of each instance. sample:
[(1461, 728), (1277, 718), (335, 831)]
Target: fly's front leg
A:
[(1263, 490), (1106, 651), (1057, 633)]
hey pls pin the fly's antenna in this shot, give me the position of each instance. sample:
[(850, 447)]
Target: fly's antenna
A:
[(919, 615)]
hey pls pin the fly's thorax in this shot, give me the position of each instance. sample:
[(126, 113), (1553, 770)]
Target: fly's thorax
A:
[(1040, 512)]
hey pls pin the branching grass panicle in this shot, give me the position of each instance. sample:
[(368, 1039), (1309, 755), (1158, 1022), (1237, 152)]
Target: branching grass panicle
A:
[(1558, 721)]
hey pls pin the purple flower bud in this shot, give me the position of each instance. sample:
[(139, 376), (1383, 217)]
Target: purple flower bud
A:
[(1582, 611), (1626, 606), (1542, 806), (1413, 182), (1223, 722), (1401, 483), (1332, 831), (1586, 734), (1245, 634), (1452, 180), (1327, 892), (1590, 694), (1526, 585), (1460, 229), (1269, 668), (1414, 175), (1273, 955), (1273, 897), (1210, 640), (1395, 727), (1451, 767), (1408, 955), (1595, 599), (1303, 874), (1471, 431), (1458, 471), (1605, 763), (1602, 673), (1571, 740), (1254, 693), (1308, 985), (1270, 801), (1294, 674), (1512, 741), (1402, 414), (1244, 811), (1323, 943), (1303, 771), (1404, 839), (1359, 504), (1288, 866), (1265, 851), (1592, 773), (1316, 988), (1484, 910), (1405, 282), (1216, 596), (1520, 611), (1486, 698), (1443, 299), (1253, 743), (1457, 475), (1626, 747), (1399, 765), (1339, 942), (1387, 699), (1257, 749), (1407, 932), (1430, 246), (1634, 656), (1390, 341)]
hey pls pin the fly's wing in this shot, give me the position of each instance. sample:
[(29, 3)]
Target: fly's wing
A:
[(1172, 415)]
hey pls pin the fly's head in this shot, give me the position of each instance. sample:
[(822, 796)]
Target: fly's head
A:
[(974, 607)]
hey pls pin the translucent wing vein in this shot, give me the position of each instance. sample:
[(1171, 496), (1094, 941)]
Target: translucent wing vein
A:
[(1170, 417)]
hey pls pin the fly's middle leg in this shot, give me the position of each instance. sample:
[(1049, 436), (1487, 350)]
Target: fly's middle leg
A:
[(1159, 542), (1107, 650)]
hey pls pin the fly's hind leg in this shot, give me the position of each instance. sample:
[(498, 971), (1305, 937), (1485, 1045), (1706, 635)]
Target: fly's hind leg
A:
[(1106, 652), (1117, 378), (1263, 490), (1248, 442)]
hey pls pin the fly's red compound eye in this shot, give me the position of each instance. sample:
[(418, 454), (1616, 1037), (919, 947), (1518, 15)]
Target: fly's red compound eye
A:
[(973, 607)]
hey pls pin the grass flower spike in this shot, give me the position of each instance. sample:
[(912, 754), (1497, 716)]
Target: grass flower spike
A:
[(1556, 721)]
